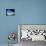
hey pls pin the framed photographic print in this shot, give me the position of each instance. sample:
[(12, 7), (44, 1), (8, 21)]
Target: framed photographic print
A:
[(32, 32), (10, 12)]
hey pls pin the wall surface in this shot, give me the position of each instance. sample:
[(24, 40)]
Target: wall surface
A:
[(27, 12)]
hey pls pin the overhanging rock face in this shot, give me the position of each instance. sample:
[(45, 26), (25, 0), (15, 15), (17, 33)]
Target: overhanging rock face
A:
[(33, 27)]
